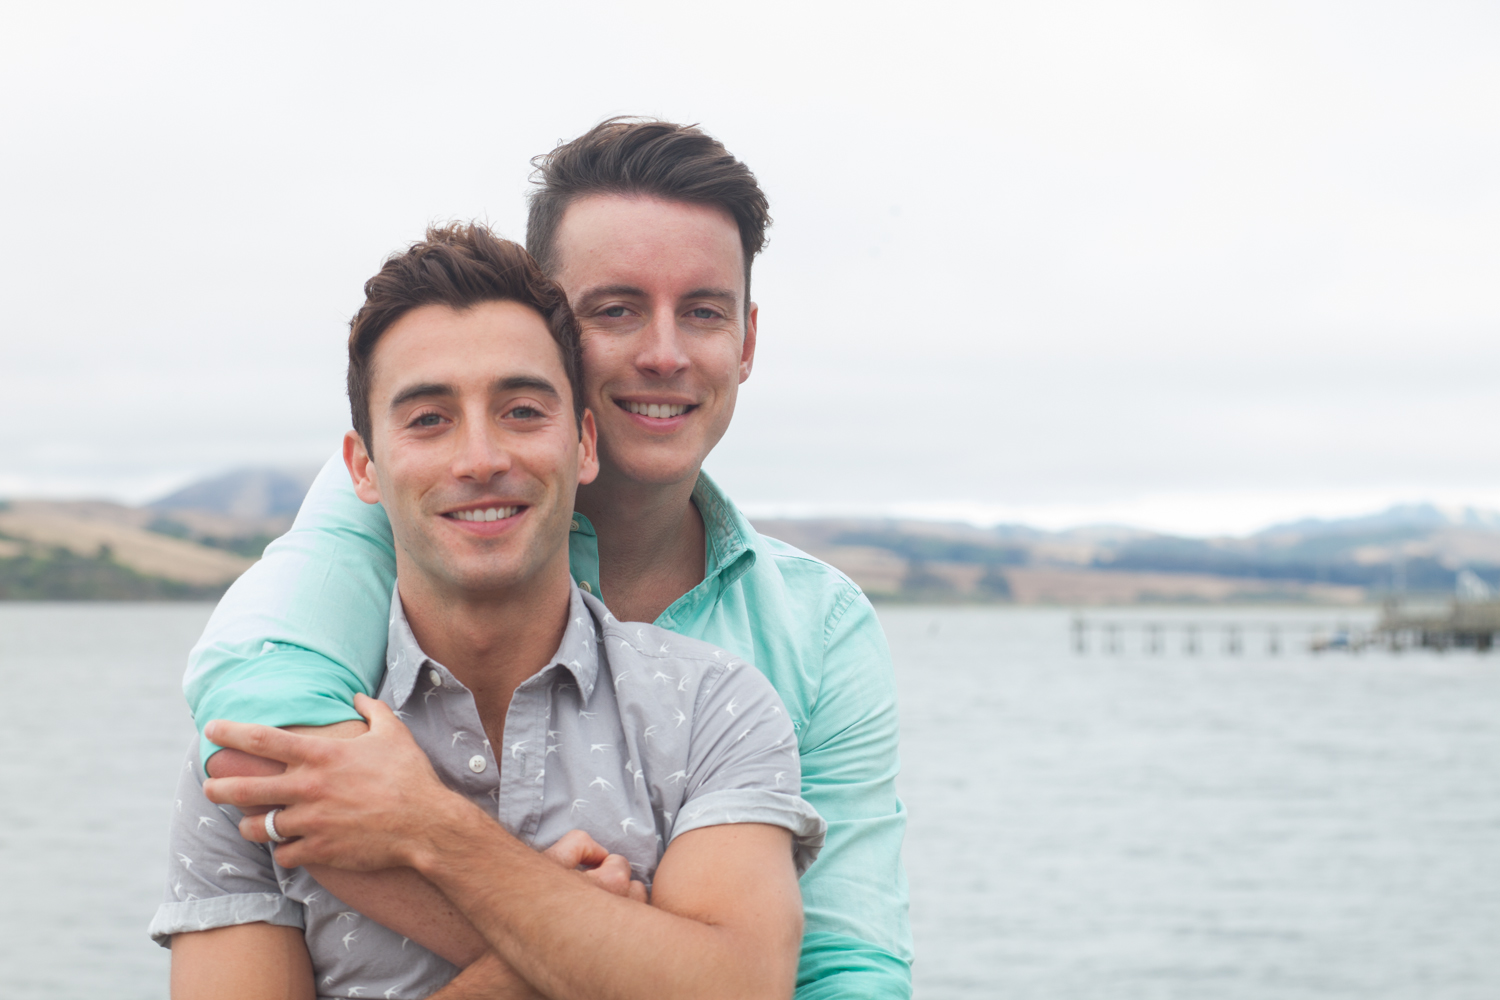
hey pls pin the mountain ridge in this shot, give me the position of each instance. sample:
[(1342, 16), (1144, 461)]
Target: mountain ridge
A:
[(197, 539)]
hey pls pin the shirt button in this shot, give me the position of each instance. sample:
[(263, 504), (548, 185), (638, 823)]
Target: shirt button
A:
[(436, 678), (585, 585), (575, 524), (477, 764)]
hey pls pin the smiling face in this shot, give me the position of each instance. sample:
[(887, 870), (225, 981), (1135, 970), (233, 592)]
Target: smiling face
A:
[(476, 452), (659, 291)]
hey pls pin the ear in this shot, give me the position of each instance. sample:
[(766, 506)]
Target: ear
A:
[(588, 449), (361, 468), (747, 348)]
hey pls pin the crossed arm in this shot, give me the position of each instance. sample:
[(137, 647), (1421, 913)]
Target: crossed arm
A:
[(261, 961), (725, 919)]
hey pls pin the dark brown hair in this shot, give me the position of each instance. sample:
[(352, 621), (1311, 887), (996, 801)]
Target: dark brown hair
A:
[(458, 266), (645, 156)]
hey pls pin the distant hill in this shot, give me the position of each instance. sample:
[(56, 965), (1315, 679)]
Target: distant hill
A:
[(197, 540), (76, 550), (1417, 547), (252, 493), (1414, 518), (189, 545)]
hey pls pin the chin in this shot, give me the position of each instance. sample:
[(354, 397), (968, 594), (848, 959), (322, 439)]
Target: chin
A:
[(660, 470), (484, 579)]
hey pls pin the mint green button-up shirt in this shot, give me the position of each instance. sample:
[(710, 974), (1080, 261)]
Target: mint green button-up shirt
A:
[(304, 630)]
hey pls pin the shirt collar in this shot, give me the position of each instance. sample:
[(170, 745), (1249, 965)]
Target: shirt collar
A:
[(730, 541), (578, 653), (731, 538)]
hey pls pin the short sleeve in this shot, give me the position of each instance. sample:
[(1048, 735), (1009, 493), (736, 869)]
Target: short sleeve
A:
[(743, 764), (215, 877)]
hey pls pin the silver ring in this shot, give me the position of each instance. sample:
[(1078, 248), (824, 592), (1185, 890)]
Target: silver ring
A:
[(276, 838)]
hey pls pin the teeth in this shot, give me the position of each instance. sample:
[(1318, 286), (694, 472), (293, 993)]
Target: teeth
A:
[(658, 410), (487, 514)]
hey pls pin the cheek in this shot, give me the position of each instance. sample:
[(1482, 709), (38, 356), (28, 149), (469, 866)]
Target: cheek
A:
[(599, 365), (721, 366)]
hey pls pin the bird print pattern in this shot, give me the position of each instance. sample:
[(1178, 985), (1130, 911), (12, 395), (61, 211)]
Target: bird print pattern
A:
[(631, 733)]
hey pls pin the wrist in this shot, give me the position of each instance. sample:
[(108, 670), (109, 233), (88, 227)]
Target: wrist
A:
[(453, 827)]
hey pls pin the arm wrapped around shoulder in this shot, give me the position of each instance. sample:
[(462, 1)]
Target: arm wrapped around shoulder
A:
[(304, 629)]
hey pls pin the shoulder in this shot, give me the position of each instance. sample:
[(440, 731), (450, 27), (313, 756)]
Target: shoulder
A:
[(630, 647), (808, 582), (652, 642), (649, 662)]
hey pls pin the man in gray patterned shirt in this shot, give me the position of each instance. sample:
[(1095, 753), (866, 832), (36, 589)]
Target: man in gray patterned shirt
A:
[(647, 761)]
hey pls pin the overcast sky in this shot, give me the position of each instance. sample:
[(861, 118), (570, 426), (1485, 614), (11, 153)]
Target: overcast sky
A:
[(1192, 266)]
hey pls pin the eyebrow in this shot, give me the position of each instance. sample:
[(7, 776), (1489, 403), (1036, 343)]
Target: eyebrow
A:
[(605, 291), (510, 383), (424, 390), (602, 291), (712, 293), (523, 383)]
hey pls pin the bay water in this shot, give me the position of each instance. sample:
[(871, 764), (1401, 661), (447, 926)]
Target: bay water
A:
[(1110, 825)]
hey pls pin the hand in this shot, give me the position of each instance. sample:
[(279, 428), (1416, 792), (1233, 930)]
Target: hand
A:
[(610, 872), (360, 804), (239, 764)]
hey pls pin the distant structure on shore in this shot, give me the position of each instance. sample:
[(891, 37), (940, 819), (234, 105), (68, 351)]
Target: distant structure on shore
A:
[(1470, 621)]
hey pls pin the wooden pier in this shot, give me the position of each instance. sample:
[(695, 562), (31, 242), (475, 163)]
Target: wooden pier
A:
[(1205, 637), (1403, 624)]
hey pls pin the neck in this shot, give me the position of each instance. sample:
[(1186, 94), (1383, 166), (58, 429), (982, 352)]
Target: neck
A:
[(651, 542), (490, 640)]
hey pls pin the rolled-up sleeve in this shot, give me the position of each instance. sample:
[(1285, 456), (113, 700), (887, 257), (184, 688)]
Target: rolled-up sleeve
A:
[(743, 762), (216, 878), (302, 631)]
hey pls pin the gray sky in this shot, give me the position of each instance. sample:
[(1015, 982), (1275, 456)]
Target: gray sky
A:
[(1194, 266)]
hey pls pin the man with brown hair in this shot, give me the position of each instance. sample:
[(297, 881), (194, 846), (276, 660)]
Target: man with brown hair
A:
[(651, 229), (509, 694)]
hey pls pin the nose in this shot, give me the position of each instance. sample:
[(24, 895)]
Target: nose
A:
[(661, 348), (479, 455)]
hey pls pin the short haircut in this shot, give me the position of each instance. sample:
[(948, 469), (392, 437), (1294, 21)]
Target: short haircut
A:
[(650, 157), (459, 266)]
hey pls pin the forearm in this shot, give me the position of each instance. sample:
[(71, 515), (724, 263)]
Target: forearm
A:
[(487, 979), (397, 898), (408, 904), (572, 940)]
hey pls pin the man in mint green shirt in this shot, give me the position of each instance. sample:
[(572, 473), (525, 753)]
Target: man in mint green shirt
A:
[(651, 228)]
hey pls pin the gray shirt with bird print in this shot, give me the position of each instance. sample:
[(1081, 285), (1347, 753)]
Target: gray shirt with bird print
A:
[(631, 733)]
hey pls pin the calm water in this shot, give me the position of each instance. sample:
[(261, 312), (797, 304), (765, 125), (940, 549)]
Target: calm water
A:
[(1100, 826)]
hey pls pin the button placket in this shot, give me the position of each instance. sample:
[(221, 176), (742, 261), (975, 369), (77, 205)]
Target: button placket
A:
[(523, 756)]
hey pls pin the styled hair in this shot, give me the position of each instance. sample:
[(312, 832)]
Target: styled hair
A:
[(644, 156), (459, 266)]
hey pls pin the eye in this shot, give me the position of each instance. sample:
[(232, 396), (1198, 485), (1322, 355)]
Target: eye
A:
[(524, 412), (703, 312), (427, 420), (615, 312)]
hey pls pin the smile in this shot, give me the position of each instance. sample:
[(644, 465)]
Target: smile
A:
[(661, 411), (486, 514)]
